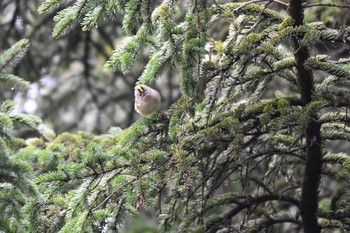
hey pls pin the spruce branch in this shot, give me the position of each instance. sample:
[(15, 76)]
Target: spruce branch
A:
[(227, 129), (49, 5), (11, 57), (246, 204), (157, 64), (14, 81)]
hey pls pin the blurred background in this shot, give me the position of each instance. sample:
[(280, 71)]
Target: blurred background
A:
[(69, 89)]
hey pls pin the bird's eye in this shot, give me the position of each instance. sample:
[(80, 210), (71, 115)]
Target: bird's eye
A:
[(140, 94)]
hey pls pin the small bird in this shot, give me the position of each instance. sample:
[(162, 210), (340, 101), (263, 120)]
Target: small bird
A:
[(147, 100)]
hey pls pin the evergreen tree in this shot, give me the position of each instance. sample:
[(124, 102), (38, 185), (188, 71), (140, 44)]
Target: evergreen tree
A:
[(16, 188), (229, 156)]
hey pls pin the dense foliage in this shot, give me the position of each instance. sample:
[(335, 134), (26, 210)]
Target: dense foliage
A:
[(15, 184), (249, 145)]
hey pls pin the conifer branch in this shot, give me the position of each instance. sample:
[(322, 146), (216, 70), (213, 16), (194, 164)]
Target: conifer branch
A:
[(49, 5), (248, 203), (227, 129), (13, 55)]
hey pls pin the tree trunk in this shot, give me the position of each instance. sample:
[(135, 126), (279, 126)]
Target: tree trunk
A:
[(309, 197)]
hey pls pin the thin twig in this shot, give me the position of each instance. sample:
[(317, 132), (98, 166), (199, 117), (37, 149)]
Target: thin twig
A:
[(325, 4), (280, 2), (112, 194), (256, 1), (246, 4)]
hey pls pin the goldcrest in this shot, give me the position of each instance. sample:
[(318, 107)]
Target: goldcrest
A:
[(147, 100)]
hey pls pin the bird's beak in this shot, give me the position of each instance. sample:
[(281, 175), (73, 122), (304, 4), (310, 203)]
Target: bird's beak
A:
[(140, 89)]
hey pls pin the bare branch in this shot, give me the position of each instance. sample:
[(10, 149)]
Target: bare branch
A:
[(325, 4)]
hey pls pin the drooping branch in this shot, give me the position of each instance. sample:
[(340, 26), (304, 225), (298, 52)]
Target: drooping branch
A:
[(250, 202)]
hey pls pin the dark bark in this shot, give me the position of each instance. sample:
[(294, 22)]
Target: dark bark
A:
[(309, 198), (246, 204)]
